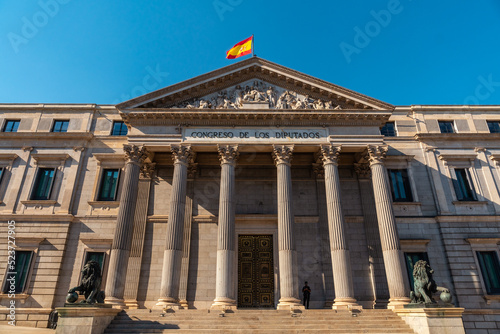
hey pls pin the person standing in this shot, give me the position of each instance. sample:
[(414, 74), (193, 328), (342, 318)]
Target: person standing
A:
[(306, 291)]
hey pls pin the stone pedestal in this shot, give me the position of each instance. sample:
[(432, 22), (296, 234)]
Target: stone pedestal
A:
[(84, 320), (436, 320)]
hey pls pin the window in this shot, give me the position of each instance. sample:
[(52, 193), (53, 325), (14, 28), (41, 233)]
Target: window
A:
[(109, 185), (446, 127), (411, 259), (400, 185), (389, 129), (11, 126), (43, 184), (60, 126), (119, 129), (494, 126), (20, 272), (463, 185), (490, 269)]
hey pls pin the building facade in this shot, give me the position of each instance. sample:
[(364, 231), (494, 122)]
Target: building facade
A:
[(233, 188)]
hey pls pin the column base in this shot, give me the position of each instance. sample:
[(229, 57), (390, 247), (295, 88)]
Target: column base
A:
[(290, 304), (346, 304), (223, 304), (397, 303), (167, 303), (131, 304), (115, 302), (184, 304)]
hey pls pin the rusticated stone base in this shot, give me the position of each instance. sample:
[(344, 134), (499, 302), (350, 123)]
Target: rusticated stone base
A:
[(85, 320), (436, 320)]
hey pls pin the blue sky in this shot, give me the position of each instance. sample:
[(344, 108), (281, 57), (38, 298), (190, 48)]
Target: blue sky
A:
[(401, 52)]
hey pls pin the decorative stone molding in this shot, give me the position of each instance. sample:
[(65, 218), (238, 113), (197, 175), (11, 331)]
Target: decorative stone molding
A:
[(377, 154), (55, 158), (330, 154), (282, 154), (182, 154), (228, 154)]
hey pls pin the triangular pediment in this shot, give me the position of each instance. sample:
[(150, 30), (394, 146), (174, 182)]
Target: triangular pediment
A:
[(255, 83)]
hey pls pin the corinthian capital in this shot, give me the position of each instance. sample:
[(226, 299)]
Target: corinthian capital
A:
[(377, 154), (228, 154), (147, 171), (135, 154), (282, 154), (329, 154), (363, 171), (182, 154)]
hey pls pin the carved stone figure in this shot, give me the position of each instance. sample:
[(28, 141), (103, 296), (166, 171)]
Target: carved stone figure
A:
[(277, 97), (91, 283), (271, 97), (203, 104), (424, 285)]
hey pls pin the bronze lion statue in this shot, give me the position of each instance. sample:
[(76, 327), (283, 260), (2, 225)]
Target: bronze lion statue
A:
[(91, 284), (423, 284)]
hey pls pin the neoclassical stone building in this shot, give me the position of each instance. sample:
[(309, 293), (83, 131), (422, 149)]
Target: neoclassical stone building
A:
[(233, 188)]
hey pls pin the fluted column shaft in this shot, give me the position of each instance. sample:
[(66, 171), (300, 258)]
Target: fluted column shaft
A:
[(391, 248), (224, 286), (288, 281), (122, 241), (172, 257), (341, 261)]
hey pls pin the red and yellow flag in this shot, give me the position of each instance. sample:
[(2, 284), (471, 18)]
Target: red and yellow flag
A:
[(241, 49)]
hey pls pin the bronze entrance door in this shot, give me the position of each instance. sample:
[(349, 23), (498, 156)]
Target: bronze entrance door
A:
[(255, 271)]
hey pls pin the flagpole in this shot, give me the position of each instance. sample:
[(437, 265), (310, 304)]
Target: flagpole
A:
[(253, 46)]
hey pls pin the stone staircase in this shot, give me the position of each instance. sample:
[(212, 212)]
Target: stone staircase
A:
[(258, 321)]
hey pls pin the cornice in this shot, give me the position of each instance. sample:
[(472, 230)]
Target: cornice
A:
[(248, 69), (46, 135), (457, 136), (253, 117)]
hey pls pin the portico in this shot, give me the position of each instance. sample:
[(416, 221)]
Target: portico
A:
[(232, 142)]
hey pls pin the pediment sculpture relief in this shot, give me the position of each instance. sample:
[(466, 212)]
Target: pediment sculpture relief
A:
[(250, 94)]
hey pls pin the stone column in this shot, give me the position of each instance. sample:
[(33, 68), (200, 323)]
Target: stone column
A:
[(341, 260), (122, 241), (370, 222), (135, 259), (172, 257), (289, 287), (399, 289), (224, 281), (186, 243)]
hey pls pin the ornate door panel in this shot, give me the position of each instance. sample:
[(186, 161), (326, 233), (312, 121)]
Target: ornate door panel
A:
[(255, 271)]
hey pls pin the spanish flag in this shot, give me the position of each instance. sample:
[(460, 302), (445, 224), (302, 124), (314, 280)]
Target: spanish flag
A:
[(241, 49)]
